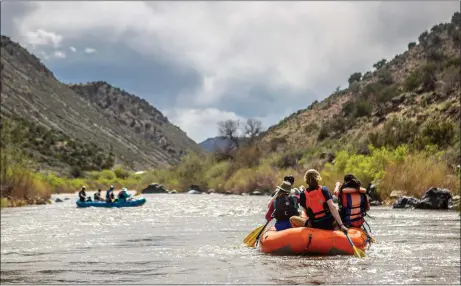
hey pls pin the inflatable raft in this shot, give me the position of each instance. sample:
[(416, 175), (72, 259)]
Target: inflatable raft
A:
[(132, 203), (304, 240)]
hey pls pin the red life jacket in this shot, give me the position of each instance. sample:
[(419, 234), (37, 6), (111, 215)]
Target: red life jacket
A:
[(353, 204), (316, 205)]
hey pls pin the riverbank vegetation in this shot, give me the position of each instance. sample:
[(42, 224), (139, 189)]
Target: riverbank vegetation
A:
[(410, 167)]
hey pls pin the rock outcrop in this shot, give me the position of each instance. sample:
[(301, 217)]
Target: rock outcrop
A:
[(435, 199), (405, 202)]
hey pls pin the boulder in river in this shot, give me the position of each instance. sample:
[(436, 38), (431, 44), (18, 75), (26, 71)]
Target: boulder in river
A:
[(435, 199), (405, 202), (173, 192), (228, 193), (194, 192), (372, 192), (154, 189), (58, 200)]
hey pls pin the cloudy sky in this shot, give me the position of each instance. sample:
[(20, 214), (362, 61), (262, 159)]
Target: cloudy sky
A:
[(202, 62)]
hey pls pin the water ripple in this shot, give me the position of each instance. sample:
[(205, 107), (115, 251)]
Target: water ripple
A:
[(181, 239)]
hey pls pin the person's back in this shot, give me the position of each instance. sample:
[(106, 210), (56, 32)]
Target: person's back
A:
[(285, 206), (109, 194), (314, 201), (352, 200), (317, 205), (97, 196), (123, 195), (82, 194)]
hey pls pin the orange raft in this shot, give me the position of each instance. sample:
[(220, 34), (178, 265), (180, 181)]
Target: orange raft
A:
[(305, 240)]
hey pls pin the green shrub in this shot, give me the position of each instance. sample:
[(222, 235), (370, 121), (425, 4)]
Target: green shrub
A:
[(411, 45), (387, 93), (121, 173), (395, 132), (385, 77), (380, 64), (437, 132), (362, 108), (324, 131), (355, 77)]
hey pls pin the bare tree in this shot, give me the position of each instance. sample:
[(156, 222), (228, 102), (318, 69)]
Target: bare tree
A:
[(229, 129), (252, 129)]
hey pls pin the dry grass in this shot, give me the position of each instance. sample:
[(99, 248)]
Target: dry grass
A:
[(416, 175)]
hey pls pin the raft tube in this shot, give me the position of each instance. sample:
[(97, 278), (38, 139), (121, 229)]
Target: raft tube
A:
[(132, 203), (305, 240)]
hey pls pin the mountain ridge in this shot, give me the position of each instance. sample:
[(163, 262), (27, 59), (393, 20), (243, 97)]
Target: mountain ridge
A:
[(420, 84), (140, 136)]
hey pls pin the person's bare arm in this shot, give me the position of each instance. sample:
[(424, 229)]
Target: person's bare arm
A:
[(336, 191), (335, 214)]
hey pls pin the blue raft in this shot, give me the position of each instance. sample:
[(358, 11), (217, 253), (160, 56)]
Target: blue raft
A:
[(132, 203)]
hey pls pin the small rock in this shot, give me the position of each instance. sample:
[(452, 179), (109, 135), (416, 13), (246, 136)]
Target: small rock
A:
[(375, 203), (396, 194), (173, 192), (405, 202), (194, 192), (435, 199), (455, 203), (58, 200), (256, 193), (228, 193)]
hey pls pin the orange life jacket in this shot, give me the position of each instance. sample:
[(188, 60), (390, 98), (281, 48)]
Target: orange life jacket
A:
[(316, 205), (353, 205)]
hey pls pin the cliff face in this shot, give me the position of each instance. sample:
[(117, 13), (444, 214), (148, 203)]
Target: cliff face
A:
[(420, 85), (95, 113)]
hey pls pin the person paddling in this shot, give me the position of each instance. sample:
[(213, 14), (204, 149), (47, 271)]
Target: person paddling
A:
[(123, 195), (97, 196), (317, 204), (82, 194), (282, 207), (110, 194)]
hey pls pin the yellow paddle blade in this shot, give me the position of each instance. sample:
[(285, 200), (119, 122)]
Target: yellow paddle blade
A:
[(359, 253), (250, 239)]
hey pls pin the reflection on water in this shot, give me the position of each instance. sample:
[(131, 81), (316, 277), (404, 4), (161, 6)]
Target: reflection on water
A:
[(198, 239)]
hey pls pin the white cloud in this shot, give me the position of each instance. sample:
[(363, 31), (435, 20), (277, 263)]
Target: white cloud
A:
[(59, 54), (42, 38), (298, 50), (44, 55), (199, 124), (294, 45), (73, 49), (89, 50)]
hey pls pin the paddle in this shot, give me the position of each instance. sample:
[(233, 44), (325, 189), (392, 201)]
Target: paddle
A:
[(357, 252), (253, 239), (252, 234)]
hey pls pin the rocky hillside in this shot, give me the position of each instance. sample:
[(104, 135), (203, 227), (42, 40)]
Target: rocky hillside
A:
[(94, 116), (415, 93)]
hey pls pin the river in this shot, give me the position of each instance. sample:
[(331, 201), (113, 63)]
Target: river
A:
[(196, 239)]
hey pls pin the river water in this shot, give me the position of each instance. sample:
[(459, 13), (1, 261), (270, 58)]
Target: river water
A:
[(197, 239)]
